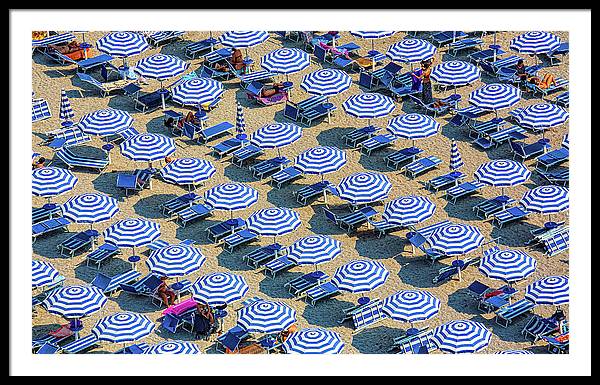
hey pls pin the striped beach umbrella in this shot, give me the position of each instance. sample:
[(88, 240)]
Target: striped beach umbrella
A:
[(313, 250), (243, 39), (187, 171), (105, 122), (411, 50), (455, 73), (553, 290), (409, 210), (285, 61), (273, 221), (515, 351), (495, 96), (372, 35), (175, 260), (42, 273), (462, 336), (502, 173), (148, 147), (313, 341), (411, 306), (266, 317), (364, 187), (321, 160), (240, 122), (90, 208), (326, 82), (276, 135), (51, 181), (546, 199), (535, 42), (456, 239), (360, 275), (123, 327), (369, 106), (160, 66), (66, 113), (565, 141), (219, 288), (75, 301), (174, 347), (542, 116), (413, 126), (508, 265), (122, 44), (456, 161), (197, 91), (231, 196), (132, 232)]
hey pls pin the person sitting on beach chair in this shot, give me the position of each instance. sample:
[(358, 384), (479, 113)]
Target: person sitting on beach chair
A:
[(545, 82), (204, 321), (271, 90), (38, 163), (166, 294), (189, 118), (236, 60)]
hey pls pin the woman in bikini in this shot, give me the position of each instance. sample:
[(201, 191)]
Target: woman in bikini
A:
[(545, 82)]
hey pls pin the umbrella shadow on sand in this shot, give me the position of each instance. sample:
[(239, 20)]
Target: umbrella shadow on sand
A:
[(157, 126), (333, 137), (463, 302), (463, 210), (514, 234), (371, 247), (275, 287), (233, 261), (196, 231), (148, 207), (283, 197), (238, 174), (128, 302), (107, 183), (375, 162), (377, 340), (326, 313), (416, 271), (319, 224), (46, 246)]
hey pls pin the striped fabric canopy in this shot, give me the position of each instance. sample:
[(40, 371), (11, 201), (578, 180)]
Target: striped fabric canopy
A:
[(147, 147), (105, 122), (132, 232), (122, 44), (456, 161), (285, 60), (51, 181), (90, 208), (411, 306), (535, 42), (456, 239), (66, 113), (187, 171), (546, 199), (364, 187), (565, 142), (123, 327), (326, 82), (160, 66), (321, 160), (360, 275), (514, 351), (42, 273), (75, 301), (372, 34), (455, 73), (273, 221), (369, 105), (313, 250), (276, 135), (461, 337), (266, 317), (508, 265), (413, 126), (502, 173), (243, 39), (409, 210), (411, 50), (197, 91), (553, 290), (175, 260), (240, 122), (542, 116), (231, 196), (495, 96), (313, 341), (174, 347), (219, 288)]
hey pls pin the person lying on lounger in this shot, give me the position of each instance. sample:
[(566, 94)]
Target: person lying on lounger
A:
[(166, 294), (274, 89), (39, 163), (545, 82), (236, 60), (66, 48)]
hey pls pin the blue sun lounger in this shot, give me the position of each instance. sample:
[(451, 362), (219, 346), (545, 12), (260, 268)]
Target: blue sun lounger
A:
[(262, 255), (231, 339), (209, 133), (405, 155), (162, 37), (445, 181), (417, 343), (552, 158), (525, 151), (110, 285), (557, 177), (445, 37), (447, 104), (359, 135), (172, 206), (82, 65), (495, 139), (49, 226), (105, 88), (465, 115), (510, 215), (418, 239), (71, 159), (562, 50), (77, 242), (151, 101), (43, 44), (192, 213), (367, 315), (479, 129), (137, 181), (145, 286), (298, 286), (239, 238), (173, 322), (311, 191), (286, 175), (485, 54), (320, 292), (421, 165), (383, 227), (200, 48), (246, 153), (507, 314), (40, 110), (278, 265), (40, 214), (227, 146), (261, 76), (561, 83), (101, 254), (268, 166), (217, 231), (80, 345), (377, 142), (453, 194), (447, 273), (562, 99), (555, 346), (138, 348), (493, 205), (557, 242), (538, 326), (67, 137), (464, 44)]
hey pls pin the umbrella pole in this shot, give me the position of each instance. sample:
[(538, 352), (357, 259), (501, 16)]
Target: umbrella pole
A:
[(162, 95)]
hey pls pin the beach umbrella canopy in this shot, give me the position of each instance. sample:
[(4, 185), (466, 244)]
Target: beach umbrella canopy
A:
[(123, 327), (273, 221), (409, 210), (321, 160), (456, 239), (461, 337), (364, 187), (411, 306), (553, 290), (508, 265), (276, 135), (368, 105), (243, 39), (105, 122), (360, 275), (411, 50), (266, 317), (313, 341), (495, 96), (90, 208), (285, 60), (122, 44), (147, 147), (542, 116), (515, 351), (413, 126), (372, 34), (219, 288), (42, 273), (173, 347), (565, 142), (197, 91), (66, 113), (52, 181), (175, 260), (535, 42), (231, 196), (502, 173), (456, 161), (75, 301), (455, 73), (132, 232), (546, 199), (240, 123), (160, 66), (326, 82), (313, 250), (187, 171)]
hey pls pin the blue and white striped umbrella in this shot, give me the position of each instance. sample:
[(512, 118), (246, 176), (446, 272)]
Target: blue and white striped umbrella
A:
[(147, 147), (321, 160), (243, 39), (535, 42), (66, 113), (369, 106), (175, 260), (364, 187), (187, 171), (75, 301), (197, 91), (174, 347), (219, 288), (409, 210), (411, 50), (372, 34), (105, 122), (90, 208), (413, 126), (123, 327), (240, 122), (313, 250), (160, 66), (508, 265), (313, 341), (276, 135), (461, 336), (456, 161), (273, 221), (495, 96), (42, 273), (360, 275), (411, 306), (502, 173), (132, 232), (455, 73), (565, 141), (546, 199), (122, 44), (266, 317), (553, 290), (456, 239), (285, 60), (326, 82), (231, 196), (515, 351), (51, 181), (542, 116)]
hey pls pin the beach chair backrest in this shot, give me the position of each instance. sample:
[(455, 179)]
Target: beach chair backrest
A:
[(291, 112), (369, 315), (320, 52), (365, 80)]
